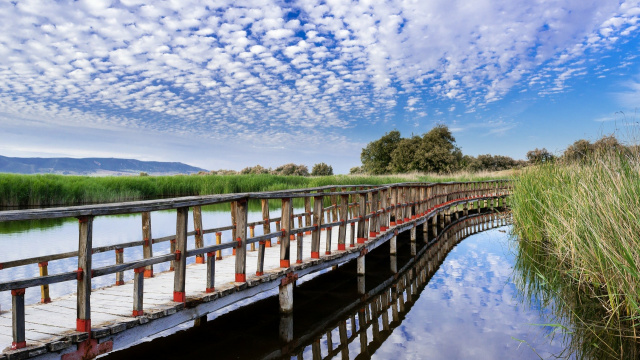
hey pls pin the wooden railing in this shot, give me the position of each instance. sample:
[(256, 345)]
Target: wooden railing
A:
[(367, 209)]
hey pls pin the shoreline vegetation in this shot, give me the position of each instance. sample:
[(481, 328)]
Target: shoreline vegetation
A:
[(46, 190), (578, 220)]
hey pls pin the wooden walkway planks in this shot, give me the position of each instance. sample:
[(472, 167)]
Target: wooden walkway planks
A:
[(114, 304)]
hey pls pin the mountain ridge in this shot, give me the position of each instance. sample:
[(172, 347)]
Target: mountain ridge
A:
[(92, 166)]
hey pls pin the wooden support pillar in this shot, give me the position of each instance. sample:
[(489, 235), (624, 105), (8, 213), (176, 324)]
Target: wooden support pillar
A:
[(393, 263), (241, 239), (266, 224), (413, 240), (119, 260), (252, 234), (465, 208), (211, 272), (197, 226), (180, 268), (352, 235), (362, 329), (360, 266), (138, 291), (317, 221), (285, 293), (18, 319), (361, 285), (85, 250), (200, 321), (334, 205), (344, 216), (234, 206), (393, 248), (43, 268), (285, 255), (147, 242), (384, 217), (286, 328), (344, 340)]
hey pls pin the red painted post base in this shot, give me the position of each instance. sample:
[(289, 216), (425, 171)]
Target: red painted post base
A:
[(18, 345), (148, 273), (406, 219), (179, 296), (137, 313), (199, 259), (45, 300), (393, 223), (399, 222), (307, 232), (89, 349), (372, 234), (210, 290), (327, 252), (341, 247), (241, 277), (268, 243), (284, 263), (383, 228), (120, 282), (315, 255), (259, 273), (298, 261), (292, 237), (361, 240), (83, 325)]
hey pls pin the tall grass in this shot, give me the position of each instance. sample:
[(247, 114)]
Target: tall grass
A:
[(586, 216), (58, 190)]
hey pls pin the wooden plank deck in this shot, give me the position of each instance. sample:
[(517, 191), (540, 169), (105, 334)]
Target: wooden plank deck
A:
[(46, 323)]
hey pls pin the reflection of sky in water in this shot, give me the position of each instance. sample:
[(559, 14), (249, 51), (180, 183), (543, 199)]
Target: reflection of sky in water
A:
[(470, 309)]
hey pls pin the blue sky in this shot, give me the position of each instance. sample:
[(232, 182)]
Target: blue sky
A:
[(229, 84)]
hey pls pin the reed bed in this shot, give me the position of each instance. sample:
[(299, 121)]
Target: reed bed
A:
[(20, 191), (586, 217)]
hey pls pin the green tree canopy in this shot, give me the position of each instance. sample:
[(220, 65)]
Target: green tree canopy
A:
[(376, 157), (321, 169)]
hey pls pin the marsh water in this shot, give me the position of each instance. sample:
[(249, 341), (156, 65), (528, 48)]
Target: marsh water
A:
[(479, 301)]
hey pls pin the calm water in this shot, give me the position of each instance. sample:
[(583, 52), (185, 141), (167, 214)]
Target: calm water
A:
[(469, 308)]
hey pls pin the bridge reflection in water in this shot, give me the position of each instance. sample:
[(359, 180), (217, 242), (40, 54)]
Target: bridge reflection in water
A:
[(337, 314)]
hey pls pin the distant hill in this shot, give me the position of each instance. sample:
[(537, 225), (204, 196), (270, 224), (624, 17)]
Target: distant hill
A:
[(92, 166)]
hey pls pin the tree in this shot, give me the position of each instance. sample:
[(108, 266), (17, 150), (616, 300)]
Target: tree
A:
[(539, 156), (291, 170), (356, 170), (258, 169), (579, 150), (438, 151), (607, 143), (376, 157), (403, 157), (321, 169)]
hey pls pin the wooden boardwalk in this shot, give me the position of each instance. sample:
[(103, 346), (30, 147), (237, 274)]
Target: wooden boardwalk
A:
[(91, 322)]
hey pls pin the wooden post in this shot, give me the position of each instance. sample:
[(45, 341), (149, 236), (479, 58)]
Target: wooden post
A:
[(334, 204), (328, 241), (266, 225), (234, 206), (352, 235), (286, 328), (299, 246), (317, 221), (241, 239), (197, 226), (344, 340), (413, 239), (362, 289), (362, 231), (180, 268), (384, 217), (393, 202), (18, 319), (252, 233), (85, 246), (44, 289), (119, 260), (211, 272), (138, 291), (344, 216), (372, 220), (218, 242), (147, 246), (307, 213), (361, 263), (260, 268), (285, 255)]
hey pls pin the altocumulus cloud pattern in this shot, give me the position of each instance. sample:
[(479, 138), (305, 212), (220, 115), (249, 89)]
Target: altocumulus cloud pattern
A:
[(275, 68)]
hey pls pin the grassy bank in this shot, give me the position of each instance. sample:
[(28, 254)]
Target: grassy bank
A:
[(586, 217), (58, 190)]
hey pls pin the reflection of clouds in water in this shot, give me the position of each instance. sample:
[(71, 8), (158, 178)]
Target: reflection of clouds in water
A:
[(470, 310)]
